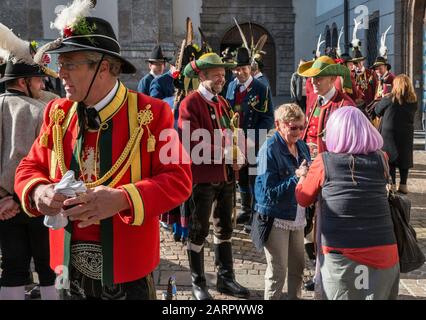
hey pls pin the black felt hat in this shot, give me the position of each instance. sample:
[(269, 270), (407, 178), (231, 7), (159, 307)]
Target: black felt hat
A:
[(21, 70), (243, 57), (380, 61), (93, 34), (157, 55)]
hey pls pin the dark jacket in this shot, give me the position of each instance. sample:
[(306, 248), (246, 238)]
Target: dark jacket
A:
[(145, 83), (296, 87), (162, 87), (276, 180), (257, 112), (397, 130)]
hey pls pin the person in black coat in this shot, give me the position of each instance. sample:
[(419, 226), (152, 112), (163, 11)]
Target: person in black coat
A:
[(397, 111)]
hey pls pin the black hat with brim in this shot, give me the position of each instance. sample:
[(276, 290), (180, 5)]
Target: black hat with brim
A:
[(243, 57), (101, 38), (381, 61), (346, 57), (157, 55), (2, 69), (21, 70)]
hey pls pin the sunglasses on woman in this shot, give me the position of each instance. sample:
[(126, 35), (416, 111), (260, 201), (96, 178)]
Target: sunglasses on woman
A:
[(294, 128)]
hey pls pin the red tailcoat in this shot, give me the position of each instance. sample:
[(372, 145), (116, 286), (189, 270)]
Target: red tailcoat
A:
[(339, 100), (130, 240), (384, 87), (366, 85)]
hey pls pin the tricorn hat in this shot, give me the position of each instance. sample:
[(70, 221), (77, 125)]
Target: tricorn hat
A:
[(157, 55), (83, 33), (206, 61)]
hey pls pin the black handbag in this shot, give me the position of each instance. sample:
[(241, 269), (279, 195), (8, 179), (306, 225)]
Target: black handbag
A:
[(410, 254)]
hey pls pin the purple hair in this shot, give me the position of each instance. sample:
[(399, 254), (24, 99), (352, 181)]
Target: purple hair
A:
[(349, 131)]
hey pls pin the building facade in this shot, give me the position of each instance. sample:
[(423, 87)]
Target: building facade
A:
[(141, 24), (405, 40)]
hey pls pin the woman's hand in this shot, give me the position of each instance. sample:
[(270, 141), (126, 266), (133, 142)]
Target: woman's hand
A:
[(303, 170)]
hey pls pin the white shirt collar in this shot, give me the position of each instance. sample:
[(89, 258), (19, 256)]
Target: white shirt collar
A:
[(205, 93), (258, 75), (107, 99), (328, 96), (154, 75), (246, 84)]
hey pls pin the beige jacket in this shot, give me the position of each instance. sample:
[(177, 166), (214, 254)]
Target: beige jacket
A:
[(20, 122)]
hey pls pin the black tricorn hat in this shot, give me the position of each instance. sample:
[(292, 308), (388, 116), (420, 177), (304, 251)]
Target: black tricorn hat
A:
[(243, 57), (21, 70), (98, 35), (380, 61), (157, 55)]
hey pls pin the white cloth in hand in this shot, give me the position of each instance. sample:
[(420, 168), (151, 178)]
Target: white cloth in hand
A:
[(70, 188)]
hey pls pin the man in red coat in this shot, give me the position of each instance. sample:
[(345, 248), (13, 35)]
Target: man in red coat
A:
[(110, 137), (324, 99), (213, 170), (384, 77)]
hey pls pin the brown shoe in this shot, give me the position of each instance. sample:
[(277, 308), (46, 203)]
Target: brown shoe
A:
[(403, 189)]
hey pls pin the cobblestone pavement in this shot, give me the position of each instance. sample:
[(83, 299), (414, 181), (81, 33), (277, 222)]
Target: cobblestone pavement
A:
[(250, 265)]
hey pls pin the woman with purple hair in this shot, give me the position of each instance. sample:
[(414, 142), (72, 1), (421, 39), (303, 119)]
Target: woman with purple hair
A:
[(357, 248)]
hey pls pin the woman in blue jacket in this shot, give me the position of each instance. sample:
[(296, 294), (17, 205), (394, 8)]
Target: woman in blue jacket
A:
[(279, 223)]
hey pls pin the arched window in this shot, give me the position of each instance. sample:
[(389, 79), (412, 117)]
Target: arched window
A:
[(334, 35), (327, 37)]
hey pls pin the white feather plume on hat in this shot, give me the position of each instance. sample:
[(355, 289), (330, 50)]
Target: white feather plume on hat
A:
[(72, 14), (4, 55), (14, 48), (383, 48)]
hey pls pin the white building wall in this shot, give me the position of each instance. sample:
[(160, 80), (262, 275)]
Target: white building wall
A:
[(324, 6), (386, 10), (304, 34)]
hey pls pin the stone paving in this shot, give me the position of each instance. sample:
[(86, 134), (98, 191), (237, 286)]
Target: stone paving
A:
[(250, 265)]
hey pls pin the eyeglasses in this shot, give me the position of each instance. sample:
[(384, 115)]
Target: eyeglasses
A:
[(71, 66), (295, 128)]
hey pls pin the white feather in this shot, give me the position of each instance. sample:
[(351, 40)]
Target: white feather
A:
[(383, 49), (319, 44), (4, 55), (339, 51), (16, 48), (72, 14), (355, 41)]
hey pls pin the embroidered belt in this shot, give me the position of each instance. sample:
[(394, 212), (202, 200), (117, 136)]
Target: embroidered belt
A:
[(87, 259)]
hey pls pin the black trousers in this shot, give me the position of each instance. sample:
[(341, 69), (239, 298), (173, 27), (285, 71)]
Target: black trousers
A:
[(85, 288), (403, 173), (246, 181), (23, 238), (201, 202)]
